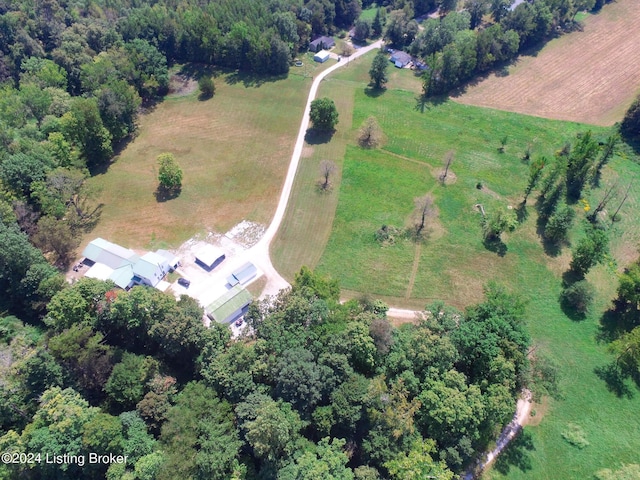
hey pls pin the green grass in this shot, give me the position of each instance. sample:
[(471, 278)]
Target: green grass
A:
[(378, 187), (369, 13)]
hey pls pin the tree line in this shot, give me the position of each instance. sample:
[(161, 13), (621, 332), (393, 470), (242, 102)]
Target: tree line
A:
[(320, 388), (462, 43)]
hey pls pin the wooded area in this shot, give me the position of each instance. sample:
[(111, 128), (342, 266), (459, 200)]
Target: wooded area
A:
[(323, 387)]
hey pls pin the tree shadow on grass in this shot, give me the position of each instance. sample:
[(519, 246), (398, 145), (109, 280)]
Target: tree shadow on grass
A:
[(426, 103), (522, 213), (317, 137), (249, 79), (495, 245), (516, 454), (163, 194), (374, 92), (614, 379)]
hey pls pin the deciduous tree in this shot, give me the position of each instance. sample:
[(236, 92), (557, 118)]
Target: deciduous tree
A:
[(378, 70), (169, 173), (323, 114)]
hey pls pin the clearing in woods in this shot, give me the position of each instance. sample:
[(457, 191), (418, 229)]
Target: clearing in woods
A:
[(589, 76), (234, 150)]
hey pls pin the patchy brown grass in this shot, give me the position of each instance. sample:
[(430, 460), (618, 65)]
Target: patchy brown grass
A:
[(589, 76), (234, 150)]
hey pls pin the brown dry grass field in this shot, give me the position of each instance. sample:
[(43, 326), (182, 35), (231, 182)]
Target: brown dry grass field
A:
[(234, 150), (590, 76)]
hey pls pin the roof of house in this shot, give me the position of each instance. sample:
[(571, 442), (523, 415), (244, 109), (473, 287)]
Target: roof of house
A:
[(99, 271), (243, 274), (149, 265), (402, 57), (223, 308), (170, 257), (209, 254), (122, 276), (322, 54), (112, 255), (324, 40)]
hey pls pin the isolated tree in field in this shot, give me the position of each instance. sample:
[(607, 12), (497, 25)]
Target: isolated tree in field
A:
[(169, 173), (624, 199), (323, 114), (370, 135), (609, 194), (559, 224), (580, 163), (424, 207), (327, 167), (378, 71), (448, 160), (206, 86), (535, 173), (346, 50), (496, 223), (608, 150), (590, 251), (579, 296)]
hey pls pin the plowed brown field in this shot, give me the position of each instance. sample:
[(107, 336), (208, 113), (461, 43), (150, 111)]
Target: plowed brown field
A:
[(590, 76)]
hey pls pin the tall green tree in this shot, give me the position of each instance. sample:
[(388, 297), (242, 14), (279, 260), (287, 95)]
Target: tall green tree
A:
[(323, 114), (169, 173), (378, 71)]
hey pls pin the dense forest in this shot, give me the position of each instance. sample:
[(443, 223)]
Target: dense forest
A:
[(321, 390)]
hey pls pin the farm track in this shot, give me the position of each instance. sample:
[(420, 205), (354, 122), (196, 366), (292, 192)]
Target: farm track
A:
[(589, 76)]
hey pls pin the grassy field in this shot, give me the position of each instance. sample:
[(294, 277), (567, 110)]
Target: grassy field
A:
[(234, 150), (378, 187), (589, 76)]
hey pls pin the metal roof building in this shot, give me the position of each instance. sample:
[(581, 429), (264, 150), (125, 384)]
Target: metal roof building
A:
[(210, 256), (230, 305), (243, 274), (110, 254)]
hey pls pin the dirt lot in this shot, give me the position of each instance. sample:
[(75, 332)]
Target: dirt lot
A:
[(590, 76)]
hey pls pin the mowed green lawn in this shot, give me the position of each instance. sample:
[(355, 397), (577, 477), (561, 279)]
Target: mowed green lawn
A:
[(378, 187), (234, 150)]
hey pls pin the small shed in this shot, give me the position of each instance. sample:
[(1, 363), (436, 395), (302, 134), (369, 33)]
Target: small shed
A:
[(243, 275), (210, 257), (400, 59), (322, 43), (321, 57), (230, 305)]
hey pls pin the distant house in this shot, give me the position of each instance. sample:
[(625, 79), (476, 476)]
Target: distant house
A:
[(210, 257), (321, 57), (243, 275), (150, 269), (322, 43), (230, 305), (400, 59)]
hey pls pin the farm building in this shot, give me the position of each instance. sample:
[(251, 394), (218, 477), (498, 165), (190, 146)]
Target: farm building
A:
[(321, 57), (243, 275), (112, 255), (150, 269), (230, 305), (108, 261), (321, 43), (210, 257), (400, 59)]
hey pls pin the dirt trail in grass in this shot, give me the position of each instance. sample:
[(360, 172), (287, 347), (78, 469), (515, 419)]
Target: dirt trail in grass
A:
[(260, 252), (508, 433)]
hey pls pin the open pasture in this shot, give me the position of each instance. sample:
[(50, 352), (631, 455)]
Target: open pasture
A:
[(588, 76), (234, 150)]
